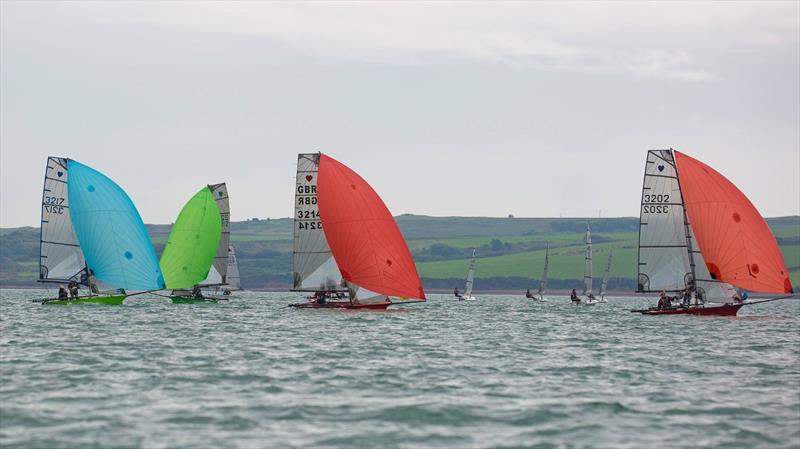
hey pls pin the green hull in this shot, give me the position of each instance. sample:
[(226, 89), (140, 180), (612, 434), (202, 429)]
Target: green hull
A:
[(113, 300), (191, 300)]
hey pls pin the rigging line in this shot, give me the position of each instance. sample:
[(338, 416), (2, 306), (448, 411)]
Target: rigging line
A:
[(767, 300)]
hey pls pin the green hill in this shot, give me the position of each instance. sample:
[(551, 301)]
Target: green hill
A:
[(510, 250)]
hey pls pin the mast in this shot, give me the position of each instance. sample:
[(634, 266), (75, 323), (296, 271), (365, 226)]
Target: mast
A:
[(470, 276), (587, 268)]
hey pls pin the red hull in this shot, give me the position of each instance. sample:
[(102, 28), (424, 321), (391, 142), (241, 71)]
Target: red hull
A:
[(342, 305), (724, 310)]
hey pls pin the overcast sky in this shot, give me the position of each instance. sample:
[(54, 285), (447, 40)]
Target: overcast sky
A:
[(475, 109)]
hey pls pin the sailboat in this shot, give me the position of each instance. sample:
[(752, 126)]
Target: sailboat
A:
[(604, 285), (93, 236), (348, 250), (700, 236), (192, 249), (587, 297), (467, 296), (543, 281)]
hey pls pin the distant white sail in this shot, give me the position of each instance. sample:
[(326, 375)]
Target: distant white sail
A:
[(604, 285), (470, 277), (314, 266), (543, 281), (587, 263), (217, 274), (233, 278), (60, 255)]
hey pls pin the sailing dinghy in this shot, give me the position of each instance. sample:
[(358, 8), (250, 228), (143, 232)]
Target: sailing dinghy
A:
[(587, 297), (700, 236), (467, 296), (192, 256), (348, 251), (543, 281), (93, 237), (604, 285)]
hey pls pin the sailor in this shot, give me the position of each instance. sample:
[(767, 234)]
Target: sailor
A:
[(457, 293), (197, 293), (226, 292), (663, 300), (73, 289), (687, 296), (590, 296), (62, 292), (574, 296), (528, 294), (320, 297)]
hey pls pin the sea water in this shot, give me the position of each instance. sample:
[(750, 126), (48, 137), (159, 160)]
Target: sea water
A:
[(502, 371)]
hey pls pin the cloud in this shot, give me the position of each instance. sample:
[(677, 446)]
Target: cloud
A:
[(652, 40)]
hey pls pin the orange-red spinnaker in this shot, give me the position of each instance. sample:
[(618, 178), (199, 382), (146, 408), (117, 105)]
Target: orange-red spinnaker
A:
[(364, 238), (736, 242)]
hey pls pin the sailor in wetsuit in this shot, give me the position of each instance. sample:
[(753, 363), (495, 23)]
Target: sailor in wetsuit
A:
[(197, 293), (457, 293), (574, 296), (528, 294), (62, 292)]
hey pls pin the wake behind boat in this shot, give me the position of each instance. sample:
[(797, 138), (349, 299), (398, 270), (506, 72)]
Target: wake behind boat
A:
[(92, 236), (699, 236), (360, 260)]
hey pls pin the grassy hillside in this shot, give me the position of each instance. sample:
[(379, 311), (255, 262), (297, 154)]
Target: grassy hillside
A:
[(510, 250)]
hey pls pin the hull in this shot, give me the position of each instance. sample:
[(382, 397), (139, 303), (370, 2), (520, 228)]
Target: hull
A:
[(192, 300), (723, 310), (342, 305), (113, 300)]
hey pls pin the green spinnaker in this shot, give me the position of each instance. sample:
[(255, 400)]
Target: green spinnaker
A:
[(193, 242)]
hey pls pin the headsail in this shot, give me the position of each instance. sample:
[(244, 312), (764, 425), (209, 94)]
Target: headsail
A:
[(470, 276), (363, 236), (543, 281), (587, 263), (315, 268), (736, 242), (60, 255), (193, 240), (114, 241), (604, 285), (233, 278), (218, 273)]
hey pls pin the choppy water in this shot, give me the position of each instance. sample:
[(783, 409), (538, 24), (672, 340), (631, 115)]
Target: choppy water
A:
[(498, 372)]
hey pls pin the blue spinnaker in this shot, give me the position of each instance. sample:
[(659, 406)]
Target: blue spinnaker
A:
[(111, 233)]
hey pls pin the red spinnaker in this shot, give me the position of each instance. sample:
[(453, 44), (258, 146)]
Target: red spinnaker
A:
[(364, 238), (736, 242)]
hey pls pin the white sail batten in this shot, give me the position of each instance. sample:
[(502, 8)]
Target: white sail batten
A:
[(663, 250), (470, 276), (315, 268), (587, 263), (60, 255), (543, 281), (233, 278)]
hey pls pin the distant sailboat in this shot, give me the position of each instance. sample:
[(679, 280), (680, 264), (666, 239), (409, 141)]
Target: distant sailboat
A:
[(467, 296), (587, 295), (92, 236), (543, 281), (192, 247), (604, 285), (699, 233), (360, 260)]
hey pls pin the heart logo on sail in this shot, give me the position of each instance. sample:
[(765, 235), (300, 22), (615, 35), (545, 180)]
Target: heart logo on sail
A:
[(309, 178), (660, 168), (60, 174)]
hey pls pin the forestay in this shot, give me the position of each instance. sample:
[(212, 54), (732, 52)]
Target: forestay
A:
[(60, 255), (315, 268), (113, 238)]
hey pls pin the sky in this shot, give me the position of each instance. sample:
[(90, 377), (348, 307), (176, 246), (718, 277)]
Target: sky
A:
[(469, 109)]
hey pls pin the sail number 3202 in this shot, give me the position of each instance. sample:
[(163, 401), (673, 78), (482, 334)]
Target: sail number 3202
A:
[(654, 207)]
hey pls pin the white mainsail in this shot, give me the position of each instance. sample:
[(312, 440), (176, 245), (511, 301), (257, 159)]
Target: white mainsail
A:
[(668, 258), (587, 263), (543, 281), (233, 278), (470, 277), (217, 274), (60, 255), (604, 285), (315, 268)]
